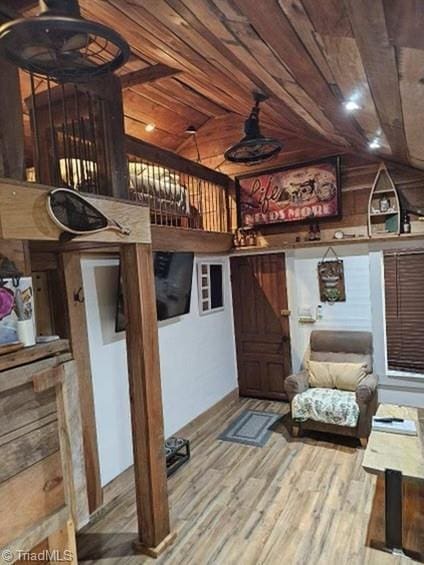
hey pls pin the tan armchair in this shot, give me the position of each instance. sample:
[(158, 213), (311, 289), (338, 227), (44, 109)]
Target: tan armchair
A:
[(339, 347)]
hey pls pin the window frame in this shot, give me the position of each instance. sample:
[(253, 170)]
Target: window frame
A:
[(398, 373), (201, 287)]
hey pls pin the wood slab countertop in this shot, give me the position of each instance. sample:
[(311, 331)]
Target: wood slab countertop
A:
[(387, 450)]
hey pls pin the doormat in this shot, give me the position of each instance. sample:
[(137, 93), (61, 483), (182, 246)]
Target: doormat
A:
[(252, 427)]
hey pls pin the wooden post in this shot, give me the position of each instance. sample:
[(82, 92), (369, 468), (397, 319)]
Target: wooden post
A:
[(11, 123), (146, 400), (71, 265), (12, 144)]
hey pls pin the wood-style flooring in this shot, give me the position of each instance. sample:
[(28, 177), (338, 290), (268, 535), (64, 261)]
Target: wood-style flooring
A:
[(294, 501)]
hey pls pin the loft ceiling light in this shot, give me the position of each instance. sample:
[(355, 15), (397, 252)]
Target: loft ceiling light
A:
[(254, 147), (61, 45), (351, 106), (375, 143), (150, 127), (192, 130)]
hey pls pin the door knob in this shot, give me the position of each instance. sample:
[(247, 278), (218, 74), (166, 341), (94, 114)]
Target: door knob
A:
[(285, 312)]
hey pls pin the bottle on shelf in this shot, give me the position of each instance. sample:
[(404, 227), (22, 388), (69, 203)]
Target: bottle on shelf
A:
[(406, 223)]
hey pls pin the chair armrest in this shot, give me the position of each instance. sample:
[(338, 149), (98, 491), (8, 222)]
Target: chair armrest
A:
[(295, 384), (366, 389)]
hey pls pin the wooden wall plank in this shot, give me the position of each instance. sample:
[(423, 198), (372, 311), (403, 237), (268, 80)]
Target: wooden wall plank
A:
[(31, 354), (23, 215), (71, 444), (379, 60), (17, 251), (22, 406), (16, 377), (148, 74), (346, 63), (71, 266), (180, 239), (25, 451), (45, 527), (411, 65), (64, 544), (43, 308), (32, 495)]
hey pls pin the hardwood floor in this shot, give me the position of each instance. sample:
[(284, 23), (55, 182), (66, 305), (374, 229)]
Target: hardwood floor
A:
[(294, 501)]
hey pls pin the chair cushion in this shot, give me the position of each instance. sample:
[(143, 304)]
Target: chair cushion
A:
[(344, 376), (326, 405), (331, 357)]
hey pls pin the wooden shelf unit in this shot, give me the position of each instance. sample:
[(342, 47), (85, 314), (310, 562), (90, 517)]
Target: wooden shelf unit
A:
[(383, 184)]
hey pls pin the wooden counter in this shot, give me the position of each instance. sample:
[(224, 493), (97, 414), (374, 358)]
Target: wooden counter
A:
[(42, 476)]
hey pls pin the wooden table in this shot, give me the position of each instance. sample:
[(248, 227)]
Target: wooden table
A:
[(397, 457)]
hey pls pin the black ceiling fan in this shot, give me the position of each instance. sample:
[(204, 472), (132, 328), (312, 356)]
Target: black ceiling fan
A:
[(61, 45), (254, 147)]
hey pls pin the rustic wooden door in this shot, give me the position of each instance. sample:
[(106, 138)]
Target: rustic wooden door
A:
[(261, 324)]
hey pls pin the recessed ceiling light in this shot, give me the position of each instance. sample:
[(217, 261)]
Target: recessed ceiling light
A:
[(374, 143), (351, 105), (150, 127)]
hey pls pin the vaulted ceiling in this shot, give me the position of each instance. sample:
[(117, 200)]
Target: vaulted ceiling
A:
[(309, 56)]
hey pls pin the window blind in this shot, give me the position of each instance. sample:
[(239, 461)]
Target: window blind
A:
[(404, 290)]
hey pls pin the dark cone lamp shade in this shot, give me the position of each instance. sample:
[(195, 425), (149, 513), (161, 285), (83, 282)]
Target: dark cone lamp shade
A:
[(254, 147), (61, 45)]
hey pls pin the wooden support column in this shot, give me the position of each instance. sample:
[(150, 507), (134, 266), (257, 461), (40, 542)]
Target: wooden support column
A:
[(146, 400), (12, 162), (71, 264)]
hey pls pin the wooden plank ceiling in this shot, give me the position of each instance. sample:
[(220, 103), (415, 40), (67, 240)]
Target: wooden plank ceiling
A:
[(309, 56)]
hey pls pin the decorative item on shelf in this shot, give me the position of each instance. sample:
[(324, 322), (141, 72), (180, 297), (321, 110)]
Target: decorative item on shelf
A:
[(16, 306), (297, 193), (383, 205), (245, 237), (406, 223), (311, 232), (331, 278), (340, 234)]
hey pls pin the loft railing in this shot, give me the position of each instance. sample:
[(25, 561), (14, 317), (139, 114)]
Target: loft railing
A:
[(178, 191), (75, 145)]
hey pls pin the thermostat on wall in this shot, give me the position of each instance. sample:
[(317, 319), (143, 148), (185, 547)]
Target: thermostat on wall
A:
[(306, 315)]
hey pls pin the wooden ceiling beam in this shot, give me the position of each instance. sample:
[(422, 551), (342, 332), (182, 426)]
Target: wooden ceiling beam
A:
[(379, 59), (149, 74)]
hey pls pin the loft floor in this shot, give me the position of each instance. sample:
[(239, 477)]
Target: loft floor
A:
[(294, 501)]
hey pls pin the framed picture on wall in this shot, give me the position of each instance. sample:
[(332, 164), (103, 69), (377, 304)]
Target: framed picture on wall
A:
[(298, 193)]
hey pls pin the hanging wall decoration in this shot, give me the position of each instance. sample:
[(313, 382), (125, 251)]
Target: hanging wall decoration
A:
[(299, 193), (331, 278)]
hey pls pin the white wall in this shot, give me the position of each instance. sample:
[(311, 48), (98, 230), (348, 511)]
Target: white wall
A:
[(197, 357), (363, 310), (108, 366), (354, 314)]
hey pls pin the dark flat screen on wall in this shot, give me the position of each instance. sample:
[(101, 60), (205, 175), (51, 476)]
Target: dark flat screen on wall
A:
[(173, 281)]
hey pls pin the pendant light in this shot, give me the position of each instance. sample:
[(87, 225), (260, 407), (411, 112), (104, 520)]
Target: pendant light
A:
[(254, 147)]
